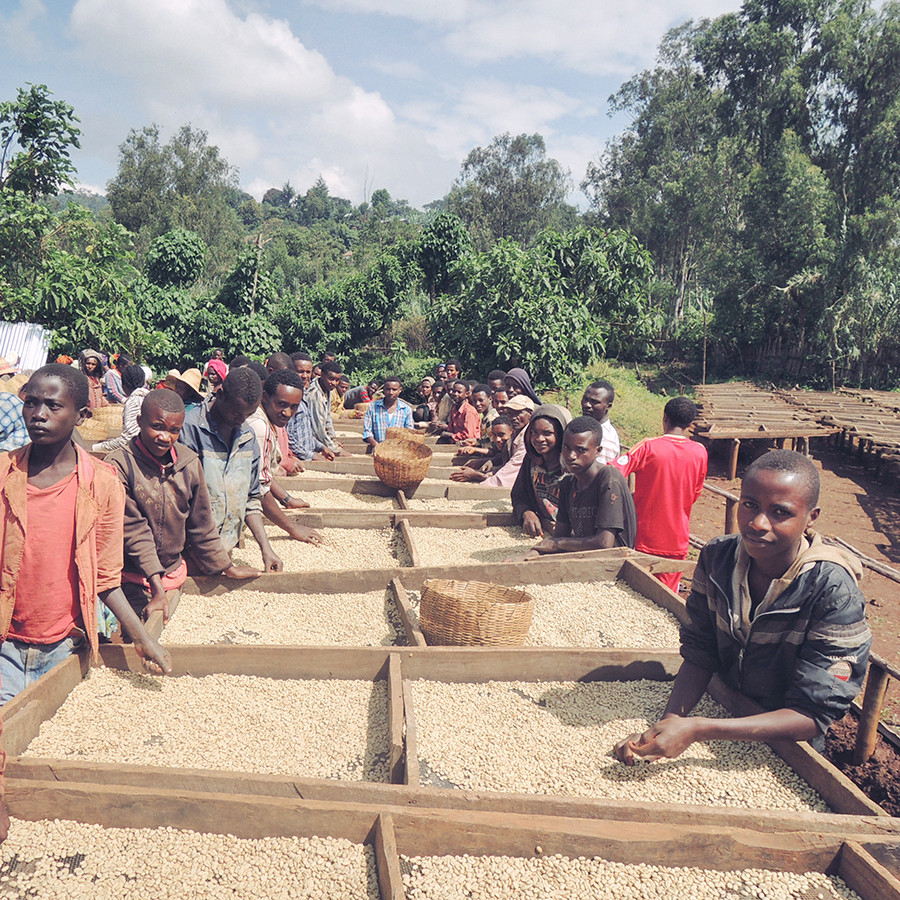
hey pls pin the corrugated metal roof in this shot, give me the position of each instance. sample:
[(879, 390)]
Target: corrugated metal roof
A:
[(31, 343)]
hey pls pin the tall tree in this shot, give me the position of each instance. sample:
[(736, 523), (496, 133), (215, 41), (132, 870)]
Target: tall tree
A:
[(46, 133), (185, 183), (509, 189)]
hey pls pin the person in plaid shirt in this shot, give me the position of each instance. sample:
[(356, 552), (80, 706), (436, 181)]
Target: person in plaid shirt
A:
[(13, 433), (389, 412)]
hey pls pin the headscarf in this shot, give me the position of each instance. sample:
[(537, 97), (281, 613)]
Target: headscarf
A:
[(522, 378), (560, 417), (84, 356), (218, 366)]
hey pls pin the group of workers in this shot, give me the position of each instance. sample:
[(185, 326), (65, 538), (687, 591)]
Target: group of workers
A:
[(772, 609)]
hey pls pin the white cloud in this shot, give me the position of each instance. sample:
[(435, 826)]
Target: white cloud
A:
[(17, 29), (485, 108), (584, 35), (275, 107)]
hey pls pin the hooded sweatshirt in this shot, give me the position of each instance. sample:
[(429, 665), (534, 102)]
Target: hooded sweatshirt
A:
[(536, 489), (805, 647)]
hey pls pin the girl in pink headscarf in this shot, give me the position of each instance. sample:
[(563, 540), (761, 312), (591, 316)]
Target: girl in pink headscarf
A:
[(215, 373)]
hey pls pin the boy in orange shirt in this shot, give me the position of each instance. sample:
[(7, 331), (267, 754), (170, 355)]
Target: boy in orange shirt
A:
[(61, 525)]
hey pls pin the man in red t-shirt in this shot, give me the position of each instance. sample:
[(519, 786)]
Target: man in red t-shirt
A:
[(669, 474)]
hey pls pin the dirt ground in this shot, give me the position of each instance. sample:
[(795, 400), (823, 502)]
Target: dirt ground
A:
[(856, 507)]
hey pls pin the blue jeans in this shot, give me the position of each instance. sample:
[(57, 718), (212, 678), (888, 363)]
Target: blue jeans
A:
[(22, 663)]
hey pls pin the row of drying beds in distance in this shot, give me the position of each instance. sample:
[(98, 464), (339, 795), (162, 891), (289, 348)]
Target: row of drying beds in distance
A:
[(387, 770)]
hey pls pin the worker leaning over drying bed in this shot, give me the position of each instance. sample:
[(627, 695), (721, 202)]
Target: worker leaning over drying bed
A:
[(281, 398), (776, 613), (596, 511), (230, 457), (166, 507), (60, 539)]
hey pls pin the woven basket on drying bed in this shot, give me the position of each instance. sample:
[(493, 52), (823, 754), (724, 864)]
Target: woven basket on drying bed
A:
[(93, 430), (406, 434), (462, 613), (401, 464)]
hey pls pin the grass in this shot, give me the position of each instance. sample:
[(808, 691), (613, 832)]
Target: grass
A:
[(637, 412)]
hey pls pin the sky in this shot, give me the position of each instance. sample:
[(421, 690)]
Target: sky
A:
[(366, 93)]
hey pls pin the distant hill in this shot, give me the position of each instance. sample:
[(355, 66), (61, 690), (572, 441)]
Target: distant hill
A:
[(95, 202)]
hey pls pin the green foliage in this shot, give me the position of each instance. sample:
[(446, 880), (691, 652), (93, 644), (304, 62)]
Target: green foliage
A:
[(552, 309), (443, 243), (509, 189), (81, 287), (45, 131), (763, 169), (185, 184), (176, 259), (345, 313)]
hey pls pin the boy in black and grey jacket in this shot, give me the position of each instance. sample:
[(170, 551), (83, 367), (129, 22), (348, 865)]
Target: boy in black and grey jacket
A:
[(776, 613)]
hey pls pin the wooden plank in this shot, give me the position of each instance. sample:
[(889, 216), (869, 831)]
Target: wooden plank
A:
[(411, 767), (838, 791), (410, 624), (242, 816), (406, 534), (639, 578), (478, 664), (279, 662), (437, 833), (402, 502), (387, 859), (873, 699), (309, 482), (548, 570), (865, 875), (395, 718), (381, 795), (22, 716)]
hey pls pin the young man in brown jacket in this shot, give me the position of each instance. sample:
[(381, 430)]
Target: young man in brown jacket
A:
[(167, 509)]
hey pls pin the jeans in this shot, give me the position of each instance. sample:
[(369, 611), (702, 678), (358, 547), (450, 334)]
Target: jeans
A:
[(22, 663)]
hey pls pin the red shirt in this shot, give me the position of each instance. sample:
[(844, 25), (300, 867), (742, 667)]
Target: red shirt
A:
[(464, 422), (47, 604), (669, 474)]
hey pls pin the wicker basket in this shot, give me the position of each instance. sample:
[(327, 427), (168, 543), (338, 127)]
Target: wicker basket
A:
[(406, 434), (110, 416), (93, 430), (401, 464), (464, 613), (360, 408)]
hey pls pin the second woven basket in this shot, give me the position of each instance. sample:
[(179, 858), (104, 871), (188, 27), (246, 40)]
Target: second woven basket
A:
[(401, 464), (465, 613)]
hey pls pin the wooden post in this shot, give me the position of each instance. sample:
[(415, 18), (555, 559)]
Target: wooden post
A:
[(733, 459), (730, 516), (873, 700), (387, 859)]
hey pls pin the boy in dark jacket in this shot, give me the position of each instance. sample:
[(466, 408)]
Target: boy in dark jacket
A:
[(166, 508), (776, 613)]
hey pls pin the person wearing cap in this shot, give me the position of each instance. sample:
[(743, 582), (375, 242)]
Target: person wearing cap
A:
[(424, 412), (215, 373), (518, 410), (187, 385)]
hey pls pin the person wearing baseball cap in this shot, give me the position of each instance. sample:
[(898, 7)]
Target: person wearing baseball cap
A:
[(518, 410)]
